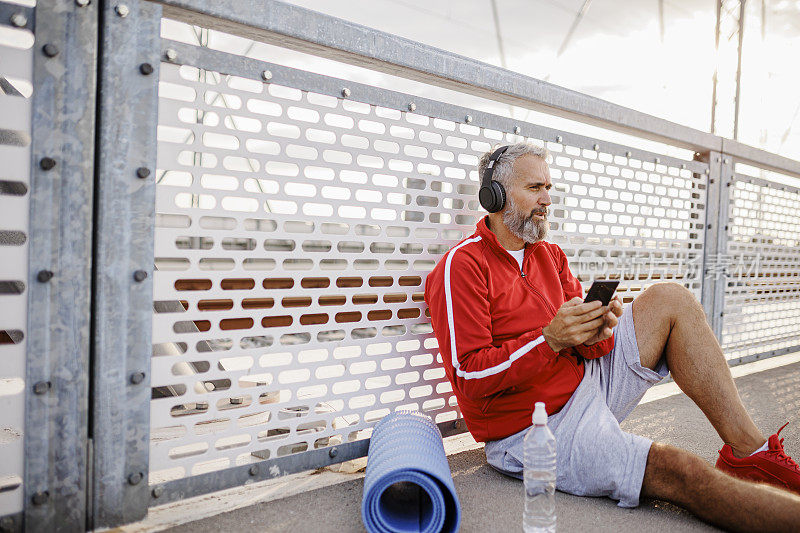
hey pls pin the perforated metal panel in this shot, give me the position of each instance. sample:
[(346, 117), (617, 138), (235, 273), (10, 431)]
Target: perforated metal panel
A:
[(762, 293), (15, 128), (295, 230)]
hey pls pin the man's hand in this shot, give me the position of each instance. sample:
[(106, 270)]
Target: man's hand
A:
[(575, 323), (613, 311)]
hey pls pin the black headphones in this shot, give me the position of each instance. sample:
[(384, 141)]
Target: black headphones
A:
[(492, 195)]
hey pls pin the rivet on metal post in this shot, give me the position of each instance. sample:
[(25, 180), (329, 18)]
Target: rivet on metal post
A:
[(727, 161), (707, 171), (345, 92), (50, 50), (135, 478), (158, 491), (683, 165), (412, 106), (596, 147), (81, 3), (559, 138), (146, 69), (18, 20), (658, 160), (122, 10), (719, 159), (40, 498), (47, 163), (254, 470), (333, 452), (142, 172), (43, 276), (456, 424), (628, 154), (137, 377), (170, 54), (266, 75), (517, 130), (468, 119), (41, 387), (140, 275)]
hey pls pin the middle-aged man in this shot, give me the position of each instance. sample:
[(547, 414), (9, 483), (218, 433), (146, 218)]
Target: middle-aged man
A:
[(512, 330)]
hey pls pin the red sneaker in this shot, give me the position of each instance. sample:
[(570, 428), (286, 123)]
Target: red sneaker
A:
[(771, 466)]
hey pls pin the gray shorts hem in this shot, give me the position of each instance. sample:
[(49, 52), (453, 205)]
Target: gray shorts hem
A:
[(630, 493), (630, 351)]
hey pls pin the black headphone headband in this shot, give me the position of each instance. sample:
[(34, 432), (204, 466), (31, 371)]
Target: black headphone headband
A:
[(492, 195), (487, 174)]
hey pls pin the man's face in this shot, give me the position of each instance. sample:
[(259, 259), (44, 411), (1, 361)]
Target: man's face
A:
[(525, 213)]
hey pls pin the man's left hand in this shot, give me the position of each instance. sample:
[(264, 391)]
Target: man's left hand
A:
[(613, 312)]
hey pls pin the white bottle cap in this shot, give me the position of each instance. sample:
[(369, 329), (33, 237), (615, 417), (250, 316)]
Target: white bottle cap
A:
[(539, 414)]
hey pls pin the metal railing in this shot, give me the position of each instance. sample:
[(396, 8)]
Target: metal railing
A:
[(252, 303)]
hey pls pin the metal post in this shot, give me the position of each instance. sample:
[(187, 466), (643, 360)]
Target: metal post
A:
[(59, 280), (714, 247), (123, 260)]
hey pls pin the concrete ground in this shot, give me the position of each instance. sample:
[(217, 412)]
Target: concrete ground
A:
[(493, 502)]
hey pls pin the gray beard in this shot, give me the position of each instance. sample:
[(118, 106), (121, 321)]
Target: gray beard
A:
[(523, 226)]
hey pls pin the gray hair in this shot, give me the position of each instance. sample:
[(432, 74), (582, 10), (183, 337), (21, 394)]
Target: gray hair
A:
[(504, 165)]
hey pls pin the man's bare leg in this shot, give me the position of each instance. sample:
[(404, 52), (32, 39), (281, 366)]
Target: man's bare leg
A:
[(684, 479), (669, 320)]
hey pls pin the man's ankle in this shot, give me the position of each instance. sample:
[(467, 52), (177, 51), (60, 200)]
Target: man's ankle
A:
[(742, 451)]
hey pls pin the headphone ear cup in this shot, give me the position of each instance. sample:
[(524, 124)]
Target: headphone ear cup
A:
[(499, 194)]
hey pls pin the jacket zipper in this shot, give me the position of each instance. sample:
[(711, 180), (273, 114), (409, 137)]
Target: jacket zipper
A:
[(573, 363)]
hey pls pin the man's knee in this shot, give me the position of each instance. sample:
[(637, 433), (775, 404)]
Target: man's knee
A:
[(673, 474), (667, 297)]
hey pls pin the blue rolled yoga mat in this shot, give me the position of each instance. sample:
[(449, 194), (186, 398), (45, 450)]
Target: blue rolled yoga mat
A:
[(408, 485)]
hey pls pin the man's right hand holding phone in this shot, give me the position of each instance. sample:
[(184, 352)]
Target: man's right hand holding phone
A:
[(577, 322)]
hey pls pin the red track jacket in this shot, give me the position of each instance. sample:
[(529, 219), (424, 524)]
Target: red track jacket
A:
[(488, 319)]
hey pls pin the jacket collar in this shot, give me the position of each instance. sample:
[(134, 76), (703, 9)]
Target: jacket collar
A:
[(488, 236)]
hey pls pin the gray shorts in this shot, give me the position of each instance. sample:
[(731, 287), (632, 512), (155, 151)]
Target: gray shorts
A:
[(594, 456)]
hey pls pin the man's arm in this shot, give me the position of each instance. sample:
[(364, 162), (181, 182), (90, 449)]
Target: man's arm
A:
[(460, 313), (572, 288)]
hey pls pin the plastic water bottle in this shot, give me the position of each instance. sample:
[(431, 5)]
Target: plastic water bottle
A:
[(540, 475)]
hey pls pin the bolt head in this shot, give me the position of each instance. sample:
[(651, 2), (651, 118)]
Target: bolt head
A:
[(50, 50), (254, 470), (628, 154), (468, 119), (142, 172), (41, 387), (18, 20), (345, 92), (146, 69), (140, 275), (43, 276), (170, 54), (47, 163), (412, 106), (158, 491), (658, 160), (517, 130), (596, 147), (559, 138), (137, 377), (122, 10), (683, 165), (727, 161), (81, 3), (40, 498), (333, 452), (266, 75), (135, 478), (456, 424)]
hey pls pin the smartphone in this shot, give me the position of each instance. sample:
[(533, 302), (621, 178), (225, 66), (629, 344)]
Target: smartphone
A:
[(603, 290)]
